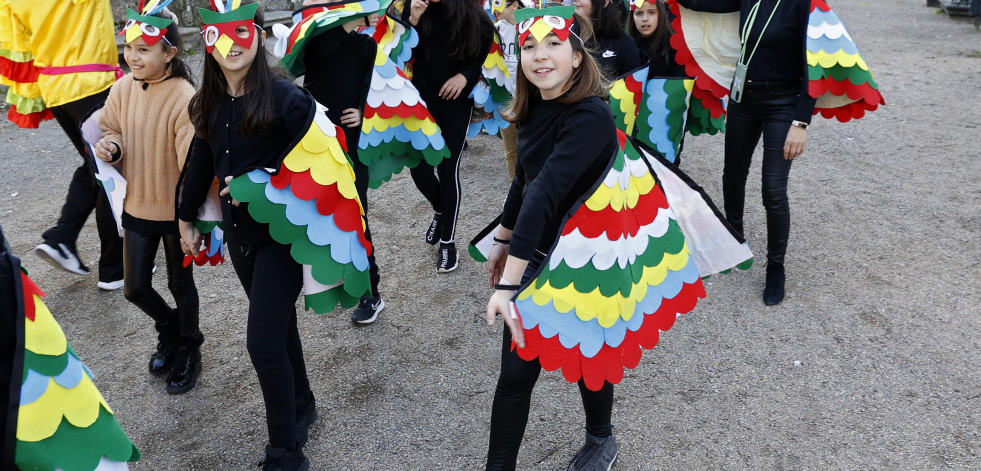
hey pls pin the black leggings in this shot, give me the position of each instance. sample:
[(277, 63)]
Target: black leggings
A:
[(442, 187), (272, 282), (768, 114), (175, 327), (84, 195), (361, 184), (512, 401)]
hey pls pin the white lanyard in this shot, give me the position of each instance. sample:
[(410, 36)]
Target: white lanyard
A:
[(749, 26)]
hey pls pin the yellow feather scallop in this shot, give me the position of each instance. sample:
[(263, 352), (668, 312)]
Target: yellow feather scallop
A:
[(616, 198), (606, 310), (79, 405), (44, 336), (323, 156), (380, 124), (828, 60)]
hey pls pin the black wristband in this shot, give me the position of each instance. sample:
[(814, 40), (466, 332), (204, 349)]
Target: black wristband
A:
[(507, 287), (502, 241)]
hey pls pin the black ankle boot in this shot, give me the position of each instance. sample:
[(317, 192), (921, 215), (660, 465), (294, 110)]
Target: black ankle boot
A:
[(306, 415), (775, 279), (187, 367), (163, 359), (281, 459)]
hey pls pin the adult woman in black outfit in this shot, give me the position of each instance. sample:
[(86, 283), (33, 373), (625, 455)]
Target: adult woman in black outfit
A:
[(612, 49), (454, 38), (774, 103)]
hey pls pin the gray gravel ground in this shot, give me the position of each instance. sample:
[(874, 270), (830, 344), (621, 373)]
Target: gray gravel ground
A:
[(870, 363)]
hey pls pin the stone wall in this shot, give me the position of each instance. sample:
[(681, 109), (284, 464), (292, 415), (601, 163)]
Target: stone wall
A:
[(186, 10)]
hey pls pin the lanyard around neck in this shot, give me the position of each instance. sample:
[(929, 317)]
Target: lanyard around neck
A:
[(744, 36)]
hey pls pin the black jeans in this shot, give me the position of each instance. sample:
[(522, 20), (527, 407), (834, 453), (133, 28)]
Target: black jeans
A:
[(272, 281), (512, 401), (84, 195), (175, 327), (442, 186), (767, 113)]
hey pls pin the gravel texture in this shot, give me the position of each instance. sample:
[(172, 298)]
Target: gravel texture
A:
[(870, 363)]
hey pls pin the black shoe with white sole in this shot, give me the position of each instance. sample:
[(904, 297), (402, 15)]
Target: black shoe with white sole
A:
[(368, 309), (62, 256), (446, 258)]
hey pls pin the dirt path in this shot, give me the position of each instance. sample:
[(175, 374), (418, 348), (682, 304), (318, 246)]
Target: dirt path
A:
[(870, 363)]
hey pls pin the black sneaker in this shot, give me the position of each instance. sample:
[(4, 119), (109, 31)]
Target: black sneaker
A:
[(62, 256), (432, 234), (446, 258), (281, 459), (597, 454), (368, 309)]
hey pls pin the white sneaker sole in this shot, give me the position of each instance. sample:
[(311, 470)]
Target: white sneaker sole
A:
[(52, 256), (447, 270), (110, 285), (374, 317)]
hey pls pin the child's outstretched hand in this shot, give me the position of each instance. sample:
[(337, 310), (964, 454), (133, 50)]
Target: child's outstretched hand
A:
[(416, 9), (351, 117), (227, 190), (105, 148), (452, 88)]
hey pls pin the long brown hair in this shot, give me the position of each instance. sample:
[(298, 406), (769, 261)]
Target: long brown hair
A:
[(586, 80), (658, 42), (260, 115)]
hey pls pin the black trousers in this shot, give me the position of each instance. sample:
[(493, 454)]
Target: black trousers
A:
[(174, 326), (272, 281), (512, 402), (84, 195), (361, 183), (769, 114), (441, 184)]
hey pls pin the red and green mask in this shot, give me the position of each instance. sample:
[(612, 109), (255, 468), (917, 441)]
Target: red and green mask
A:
[(540, 22), (151, 28), (219, 24)]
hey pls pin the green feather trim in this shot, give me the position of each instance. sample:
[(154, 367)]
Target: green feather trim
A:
[(615, 279), (78, 449), (325, 269)]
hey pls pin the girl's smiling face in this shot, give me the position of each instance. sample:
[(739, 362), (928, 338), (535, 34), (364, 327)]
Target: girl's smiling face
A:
[(548, 65), (239, 59), (645, 19), (148, 62)]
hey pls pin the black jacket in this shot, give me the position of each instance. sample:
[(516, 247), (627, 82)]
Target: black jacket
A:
[(563, 149)]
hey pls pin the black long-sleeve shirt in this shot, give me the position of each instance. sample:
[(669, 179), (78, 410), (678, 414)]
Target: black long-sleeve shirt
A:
[(661, 57), (229, 152), (432, 62), (562, 150), (782, 53), (338, 67), (616, 55)]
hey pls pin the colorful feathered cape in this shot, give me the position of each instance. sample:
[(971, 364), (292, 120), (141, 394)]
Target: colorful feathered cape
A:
[(397, 130), (62, 421), (311, 204), (708, 47), (658, 111), (622, 269)]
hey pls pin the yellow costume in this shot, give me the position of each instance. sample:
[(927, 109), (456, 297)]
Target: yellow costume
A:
[(54, 52)]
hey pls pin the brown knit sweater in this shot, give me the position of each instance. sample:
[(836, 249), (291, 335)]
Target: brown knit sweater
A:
[(154, 132)]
